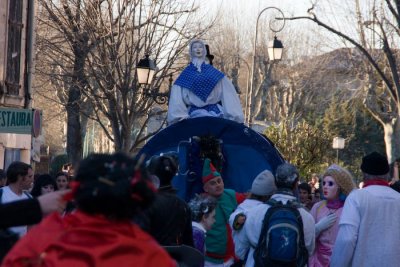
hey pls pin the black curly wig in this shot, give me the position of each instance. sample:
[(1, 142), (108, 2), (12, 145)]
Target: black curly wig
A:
[(112, 186)]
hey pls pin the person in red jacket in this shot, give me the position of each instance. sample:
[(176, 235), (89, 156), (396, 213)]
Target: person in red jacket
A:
[(109, 191)]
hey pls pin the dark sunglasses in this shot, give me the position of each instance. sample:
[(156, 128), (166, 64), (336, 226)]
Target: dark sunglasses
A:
[(330, 183)]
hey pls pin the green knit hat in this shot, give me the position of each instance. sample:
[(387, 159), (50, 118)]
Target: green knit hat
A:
[(209, 171)]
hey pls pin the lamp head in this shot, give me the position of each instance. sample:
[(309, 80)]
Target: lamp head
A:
[(145, 70), (275, 49)]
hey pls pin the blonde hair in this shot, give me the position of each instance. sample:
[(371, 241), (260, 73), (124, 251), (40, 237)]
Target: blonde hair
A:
[(342, 177)]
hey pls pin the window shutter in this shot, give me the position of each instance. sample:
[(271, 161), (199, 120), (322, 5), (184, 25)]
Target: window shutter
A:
[(15, 27)]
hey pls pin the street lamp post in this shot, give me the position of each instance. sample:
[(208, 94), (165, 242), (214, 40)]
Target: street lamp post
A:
[(275, 49), (338, 143), (247, 87), (146, 69)]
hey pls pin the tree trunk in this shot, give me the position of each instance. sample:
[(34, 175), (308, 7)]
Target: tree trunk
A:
[(126, 139), (392, 139), (74, 136)]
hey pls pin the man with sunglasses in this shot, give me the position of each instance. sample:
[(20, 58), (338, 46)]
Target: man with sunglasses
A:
[(369, 234)]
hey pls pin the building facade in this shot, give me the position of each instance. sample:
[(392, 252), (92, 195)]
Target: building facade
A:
[(17, 118)]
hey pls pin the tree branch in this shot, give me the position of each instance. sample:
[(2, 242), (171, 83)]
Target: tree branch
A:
[(387, 82)]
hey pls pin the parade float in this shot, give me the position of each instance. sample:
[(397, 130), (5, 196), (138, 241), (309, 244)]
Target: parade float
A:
[(205, 120), (236, 150)]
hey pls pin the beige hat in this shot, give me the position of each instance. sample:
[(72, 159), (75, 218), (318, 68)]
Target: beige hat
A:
[(264, 184)]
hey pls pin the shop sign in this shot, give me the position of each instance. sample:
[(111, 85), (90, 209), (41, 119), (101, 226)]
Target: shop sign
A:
[(17, 121)]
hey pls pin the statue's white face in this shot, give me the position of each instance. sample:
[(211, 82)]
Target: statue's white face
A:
[(197, 50)]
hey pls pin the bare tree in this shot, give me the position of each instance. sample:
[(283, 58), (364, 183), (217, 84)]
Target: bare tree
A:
[(380, 83), (93, 49), (232, 57)]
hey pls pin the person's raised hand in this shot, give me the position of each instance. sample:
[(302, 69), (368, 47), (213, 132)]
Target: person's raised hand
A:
[(325, 223), (53, 201)]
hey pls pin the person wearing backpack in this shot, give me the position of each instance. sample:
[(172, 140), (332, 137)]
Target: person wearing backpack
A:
[(262, 188), (280, 232)]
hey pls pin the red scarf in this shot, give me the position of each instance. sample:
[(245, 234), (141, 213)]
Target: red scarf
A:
[(375, 182)]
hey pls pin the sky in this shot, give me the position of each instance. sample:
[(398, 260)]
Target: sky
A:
[(251, 7), (242, 14), (247, 10)]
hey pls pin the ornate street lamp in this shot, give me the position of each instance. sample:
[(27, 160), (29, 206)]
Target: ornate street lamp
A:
[(146, 69), (275, 51)]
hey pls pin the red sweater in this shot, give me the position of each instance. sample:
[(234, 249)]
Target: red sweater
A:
[(83, 240)]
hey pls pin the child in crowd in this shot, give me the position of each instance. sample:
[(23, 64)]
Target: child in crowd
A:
[(203, 217)]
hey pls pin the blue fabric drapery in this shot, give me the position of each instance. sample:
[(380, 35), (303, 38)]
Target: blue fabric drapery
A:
[(199, 83)]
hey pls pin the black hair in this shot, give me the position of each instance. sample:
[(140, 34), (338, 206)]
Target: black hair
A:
[(305, 187), (2, 174), (41, 181), (164, 167), (61, 174), (17, 168), (111, 186), (317, 193)]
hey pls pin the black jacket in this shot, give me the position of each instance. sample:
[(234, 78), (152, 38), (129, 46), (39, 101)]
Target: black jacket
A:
[(23, 212), (168, 220)]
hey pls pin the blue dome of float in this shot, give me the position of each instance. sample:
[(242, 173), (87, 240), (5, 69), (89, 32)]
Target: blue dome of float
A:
[(246, 152)]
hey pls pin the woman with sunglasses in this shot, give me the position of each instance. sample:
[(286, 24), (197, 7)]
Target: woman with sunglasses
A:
[(336, 186)]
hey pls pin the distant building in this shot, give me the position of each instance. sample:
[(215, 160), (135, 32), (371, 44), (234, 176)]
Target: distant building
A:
[(18, 123)]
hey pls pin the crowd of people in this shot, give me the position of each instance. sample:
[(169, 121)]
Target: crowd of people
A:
[(117, 211), (127, 212)]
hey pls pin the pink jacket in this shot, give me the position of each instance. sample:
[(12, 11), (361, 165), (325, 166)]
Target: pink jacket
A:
[(326, 240)]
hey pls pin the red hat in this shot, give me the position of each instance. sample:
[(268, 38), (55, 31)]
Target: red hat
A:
[(209, 171)]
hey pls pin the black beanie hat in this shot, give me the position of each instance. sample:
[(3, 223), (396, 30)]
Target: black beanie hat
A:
[(375, 164), (164, 167)]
